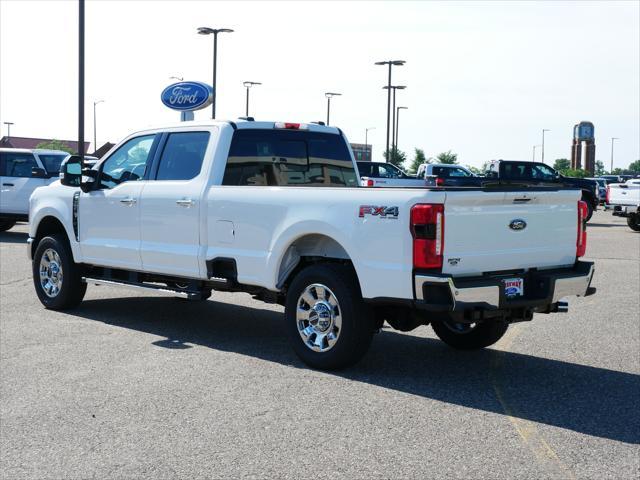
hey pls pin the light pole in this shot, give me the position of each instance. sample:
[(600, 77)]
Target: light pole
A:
[(8, 124), (81, 82), (393, 123), (390, 63), (366, 140), (248, 85), (612, 140), (543, 130), (533, 159), (329, 95), (395, 142), (214, 32), (95, 141)]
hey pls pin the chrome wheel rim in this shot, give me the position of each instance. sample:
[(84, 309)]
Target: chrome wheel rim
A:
[(51, 274), (460, 328), (318, 317)]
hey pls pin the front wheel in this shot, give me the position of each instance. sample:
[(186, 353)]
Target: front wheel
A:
[(634, 222), (6, 225), (327, 322), (56, 277), (469, 336)]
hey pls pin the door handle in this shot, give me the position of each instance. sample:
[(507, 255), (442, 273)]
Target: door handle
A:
[(128, 201), (185, 202), (8, 185)]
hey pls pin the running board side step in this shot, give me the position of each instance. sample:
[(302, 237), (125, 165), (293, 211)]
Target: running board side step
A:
[(164, 290)]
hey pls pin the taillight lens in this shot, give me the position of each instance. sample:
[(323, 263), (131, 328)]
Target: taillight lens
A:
[(581, 242), (439, 182), (369, 182), (427, 229), (291, 126)]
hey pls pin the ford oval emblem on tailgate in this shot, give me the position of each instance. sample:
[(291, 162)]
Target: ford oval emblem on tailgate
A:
[(518, 224)]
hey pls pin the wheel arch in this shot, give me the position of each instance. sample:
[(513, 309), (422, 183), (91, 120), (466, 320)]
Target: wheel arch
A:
[(48, 225)]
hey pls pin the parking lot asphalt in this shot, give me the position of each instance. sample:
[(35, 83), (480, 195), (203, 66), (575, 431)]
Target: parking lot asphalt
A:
[(132, 386)]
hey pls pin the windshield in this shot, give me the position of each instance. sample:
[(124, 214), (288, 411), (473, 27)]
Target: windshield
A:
[(52, 161)]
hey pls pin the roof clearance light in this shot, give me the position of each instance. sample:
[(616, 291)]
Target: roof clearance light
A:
[(291, 126)]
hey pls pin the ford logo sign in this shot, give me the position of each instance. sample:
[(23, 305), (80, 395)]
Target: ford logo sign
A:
[(187, 96), (511, 291), (518, 224)]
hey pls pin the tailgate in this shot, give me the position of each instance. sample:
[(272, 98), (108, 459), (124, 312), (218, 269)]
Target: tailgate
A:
[(488, 231)]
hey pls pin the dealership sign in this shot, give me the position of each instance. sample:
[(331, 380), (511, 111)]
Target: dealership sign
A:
[(187, 96)]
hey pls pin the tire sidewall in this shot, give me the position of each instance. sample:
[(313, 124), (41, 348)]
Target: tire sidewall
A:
[(72, 286), (356, 329)]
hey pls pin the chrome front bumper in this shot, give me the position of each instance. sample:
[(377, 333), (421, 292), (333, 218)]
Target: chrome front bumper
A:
[(542, 288)]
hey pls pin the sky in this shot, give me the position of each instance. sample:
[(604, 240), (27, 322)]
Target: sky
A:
[(483, 78)]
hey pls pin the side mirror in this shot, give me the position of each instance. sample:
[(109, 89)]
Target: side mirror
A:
[(71, 171), (37, 172)]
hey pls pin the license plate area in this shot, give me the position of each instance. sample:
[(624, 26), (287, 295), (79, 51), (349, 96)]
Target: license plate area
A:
[(513, 287)]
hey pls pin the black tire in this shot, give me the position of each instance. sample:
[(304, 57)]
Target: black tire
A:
[(481, 335), (589, 203), (72, 288), (634, 222), (6, 225), (356, 319)]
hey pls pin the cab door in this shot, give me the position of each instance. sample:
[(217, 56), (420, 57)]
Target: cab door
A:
[(16, 181), (109, 215), (170, 206)]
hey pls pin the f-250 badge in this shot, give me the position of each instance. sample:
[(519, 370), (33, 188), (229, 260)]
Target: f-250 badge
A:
[(375, 211)]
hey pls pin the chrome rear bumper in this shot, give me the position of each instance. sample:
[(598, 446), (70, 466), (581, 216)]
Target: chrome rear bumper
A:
[(542, 289)]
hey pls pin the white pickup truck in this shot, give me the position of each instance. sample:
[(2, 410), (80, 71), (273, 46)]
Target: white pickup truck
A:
[(624, 198), (275, 210)]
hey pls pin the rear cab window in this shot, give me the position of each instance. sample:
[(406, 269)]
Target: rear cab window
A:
[(260, 157)]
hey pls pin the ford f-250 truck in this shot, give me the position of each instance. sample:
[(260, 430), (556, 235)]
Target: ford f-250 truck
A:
[(275, 210)]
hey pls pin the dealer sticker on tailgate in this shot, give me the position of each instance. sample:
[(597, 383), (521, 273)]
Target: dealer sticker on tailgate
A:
[(513, 287)]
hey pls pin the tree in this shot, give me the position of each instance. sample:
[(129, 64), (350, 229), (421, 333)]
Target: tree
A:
[(635, 166), (562, 164), (447, 157), (599, 168), (55, 145), (579, 173), (398, 157), (418, 160)]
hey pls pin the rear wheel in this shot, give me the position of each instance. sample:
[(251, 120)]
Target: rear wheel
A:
[(634, 222), (469, 336), (6, 225), (589, 207), (56, 277), (327, 322)]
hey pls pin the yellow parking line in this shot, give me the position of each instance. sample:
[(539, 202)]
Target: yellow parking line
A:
[(527, 430)]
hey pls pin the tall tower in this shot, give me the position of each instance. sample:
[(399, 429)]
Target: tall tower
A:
[(583, 150)]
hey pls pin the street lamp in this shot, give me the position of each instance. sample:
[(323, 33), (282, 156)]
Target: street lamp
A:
[(612, 140), (398, 123), (248, 85), (95, 141), (543, 130), (533, 159), (393, 124), (366, 140), (329, 95), (214, 32), (8, 124), (390, 63)]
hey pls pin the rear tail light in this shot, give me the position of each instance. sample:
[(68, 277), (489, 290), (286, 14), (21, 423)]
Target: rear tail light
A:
[(291, 126), (427, 229), (581, 242), (608, 194), (439, 182), (370, 182)]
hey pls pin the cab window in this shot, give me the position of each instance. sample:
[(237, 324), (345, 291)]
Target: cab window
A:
[(128, 163), (387, 171), (182, 155), (16, 164), (52, 161)]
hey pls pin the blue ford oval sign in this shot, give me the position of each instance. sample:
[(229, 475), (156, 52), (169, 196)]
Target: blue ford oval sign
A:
[(187, 96)]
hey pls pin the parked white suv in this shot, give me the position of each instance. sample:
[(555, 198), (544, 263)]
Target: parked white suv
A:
[(21, 172), (275, 210)]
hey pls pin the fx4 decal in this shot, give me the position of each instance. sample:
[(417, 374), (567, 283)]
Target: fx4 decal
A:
[(375, 211)]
